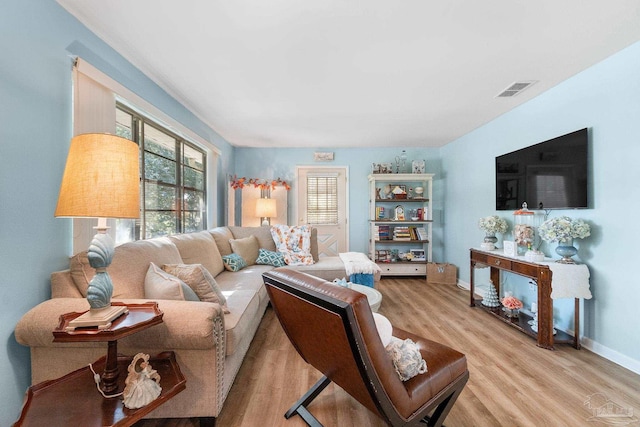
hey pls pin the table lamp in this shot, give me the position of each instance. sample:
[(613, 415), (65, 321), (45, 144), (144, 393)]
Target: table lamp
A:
[(266, 209), (101, 180)]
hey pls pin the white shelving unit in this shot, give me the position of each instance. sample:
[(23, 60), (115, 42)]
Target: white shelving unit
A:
[(384, 219)]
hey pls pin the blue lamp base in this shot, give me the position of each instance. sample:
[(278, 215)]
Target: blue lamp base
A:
[(102, 313)]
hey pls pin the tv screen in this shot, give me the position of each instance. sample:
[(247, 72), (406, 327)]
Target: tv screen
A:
[(549, 175)]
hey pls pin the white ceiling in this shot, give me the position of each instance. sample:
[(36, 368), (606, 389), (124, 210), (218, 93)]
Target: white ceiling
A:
[(340, 73)]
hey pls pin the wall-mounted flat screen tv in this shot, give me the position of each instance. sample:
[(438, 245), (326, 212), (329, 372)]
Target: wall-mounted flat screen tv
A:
[(549, 175)]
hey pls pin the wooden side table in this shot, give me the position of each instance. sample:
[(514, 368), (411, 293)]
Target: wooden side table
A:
[(138, 318), (73, 398)]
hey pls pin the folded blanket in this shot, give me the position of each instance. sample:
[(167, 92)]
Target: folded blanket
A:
[(357, 262)]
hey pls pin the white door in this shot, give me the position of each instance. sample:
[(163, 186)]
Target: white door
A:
[(322, 203)]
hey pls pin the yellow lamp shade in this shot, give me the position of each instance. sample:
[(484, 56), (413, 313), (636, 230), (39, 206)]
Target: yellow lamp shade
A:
[(101, 178), (266, 208)]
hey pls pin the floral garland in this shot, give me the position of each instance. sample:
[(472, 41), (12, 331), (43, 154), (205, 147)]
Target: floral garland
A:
[(493, 224), (563, 229), (260, 183)]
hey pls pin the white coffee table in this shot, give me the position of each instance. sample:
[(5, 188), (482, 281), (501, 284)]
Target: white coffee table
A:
[(374, 296)]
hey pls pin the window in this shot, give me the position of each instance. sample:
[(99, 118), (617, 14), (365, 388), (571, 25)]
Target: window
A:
[(322, 200), (173, 180)]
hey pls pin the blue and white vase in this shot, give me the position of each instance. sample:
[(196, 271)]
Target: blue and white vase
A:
[(566, 250)]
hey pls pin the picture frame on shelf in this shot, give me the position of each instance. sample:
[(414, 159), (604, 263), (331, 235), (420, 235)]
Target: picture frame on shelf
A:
[(382, 255), (418, 255), (382, 168), (509, 247), (418, 166)]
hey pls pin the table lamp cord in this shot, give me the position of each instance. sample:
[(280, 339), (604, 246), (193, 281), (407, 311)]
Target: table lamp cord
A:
[(97, 379)]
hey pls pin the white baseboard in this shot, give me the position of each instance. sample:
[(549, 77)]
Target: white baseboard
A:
[(612, 355), (589, 344)]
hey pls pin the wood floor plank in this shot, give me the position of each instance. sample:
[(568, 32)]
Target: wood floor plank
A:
[(512, 382)]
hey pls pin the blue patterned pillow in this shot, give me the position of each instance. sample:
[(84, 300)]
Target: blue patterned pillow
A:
[(234, 262), (266, 257)]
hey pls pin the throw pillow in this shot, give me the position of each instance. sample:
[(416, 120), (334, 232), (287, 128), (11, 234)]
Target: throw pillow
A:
[(234, 262), (159, 284), (406, 358), (222, 235), (200, 280), (247, 248), (383, 325), (294, 243), (266, 257)]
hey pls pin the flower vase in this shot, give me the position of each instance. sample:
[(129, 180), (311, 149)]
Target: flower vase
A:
[(489, 243), (512, 313), (566, 250)]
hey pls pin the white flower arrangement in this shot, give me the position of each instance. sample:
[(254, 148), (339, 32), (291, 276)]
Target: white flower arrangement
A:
[(493, 224), (563, 229)]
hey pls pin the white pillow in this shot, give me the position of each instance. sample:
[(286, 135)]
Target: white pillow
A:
[(384, 328), (159, 284)]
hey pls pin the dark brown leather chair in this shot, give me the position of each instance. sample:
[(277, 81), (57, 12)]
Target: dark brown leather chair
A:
[(333, 329)]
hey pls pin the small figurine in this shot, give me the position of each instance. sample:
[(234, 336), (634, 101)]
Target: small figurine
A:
[(142, 385)]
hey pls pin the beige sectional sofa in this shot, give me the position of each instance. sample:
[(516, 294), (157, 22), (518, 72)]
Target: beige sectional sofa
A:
[(209, 344)]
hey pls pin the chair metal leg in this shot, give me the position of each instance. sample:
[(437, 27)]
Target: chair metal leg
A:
[(299, 407), (442, 410)]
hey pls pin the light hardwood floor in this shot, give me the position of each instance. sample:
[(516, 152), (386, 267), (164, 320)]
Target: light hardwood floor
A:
[(512, 382)]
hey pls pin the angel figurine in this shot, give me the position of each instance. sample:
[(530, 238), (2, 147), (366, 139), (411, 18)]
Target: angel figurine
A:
[(142, 385)]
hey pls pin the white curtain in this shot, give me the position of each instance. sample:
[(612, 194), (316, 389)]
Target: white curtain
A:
[(94, 111)]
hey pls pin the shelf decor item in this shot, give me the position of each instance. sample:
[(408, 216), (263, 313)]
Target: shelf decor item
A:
[(491, 225), (399, 193), (512, 306), (401, 162), (491, 297), (418, 166), (524, 231), (563, 230)]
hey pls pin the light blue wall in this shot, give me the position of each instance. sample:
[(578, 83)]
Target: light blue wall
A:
[(605, 99), (274, 163), (36, 39)]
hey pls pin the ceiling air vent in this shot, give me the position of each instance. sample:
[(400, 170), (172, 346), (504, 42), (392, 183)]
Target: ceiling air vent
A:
[(515, 88)]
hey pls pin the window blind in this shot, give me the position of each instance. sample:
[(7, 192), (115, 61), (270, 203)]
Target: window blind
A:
[(322, 199)]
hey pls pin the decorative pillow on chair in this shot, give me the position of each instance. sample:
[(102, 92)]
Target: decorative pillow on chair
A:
[(159, 284), (266, 257), (247, 248), (200, 280), (406, 358), (294, 242), (234, 262), (383, 325)]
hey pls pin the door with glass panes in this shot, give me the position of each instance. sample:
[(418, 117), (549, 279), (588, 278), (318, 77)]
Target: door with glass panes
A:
[(322, 203)]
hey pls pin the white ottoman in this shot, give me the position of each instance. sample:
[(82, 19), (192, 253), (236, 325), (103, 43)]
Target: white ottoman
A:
[(374, 296)]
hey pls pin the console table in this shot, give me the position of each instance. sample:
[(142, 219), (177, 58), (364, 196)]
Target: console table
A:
[(542, 274)]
